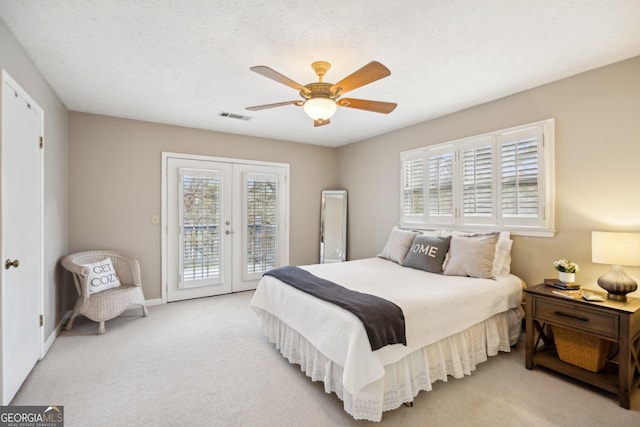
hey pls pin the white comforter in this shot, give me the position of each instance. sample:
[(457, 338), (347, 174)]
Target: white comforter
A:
[(434, 306)]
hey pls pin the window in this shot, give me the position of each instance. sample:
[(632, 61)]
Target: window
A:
[(501, 180)]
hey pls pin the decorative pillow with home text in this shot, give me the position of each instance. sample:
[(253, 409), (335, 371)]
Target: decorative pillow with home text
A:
[(101, 276), (427, 253)]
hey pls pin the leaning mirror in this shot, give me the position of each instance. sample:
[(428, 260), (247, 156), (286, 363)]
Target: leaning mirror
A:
[(333, 226)]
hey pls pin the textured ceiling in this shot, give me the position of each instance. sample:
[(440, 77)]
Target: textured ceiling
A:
[(183, 62)]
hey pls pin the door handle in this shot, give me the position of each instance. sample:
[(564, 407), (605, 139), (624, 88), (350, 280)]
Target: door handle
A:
[(8, 263), (228, 232)]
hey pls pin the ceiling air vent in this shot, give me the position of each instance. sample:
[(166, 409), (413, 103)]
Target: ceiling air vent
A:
[(234, 116)]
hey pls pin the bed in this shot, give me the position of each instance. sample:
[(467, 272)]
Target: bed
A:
[(452, 322)]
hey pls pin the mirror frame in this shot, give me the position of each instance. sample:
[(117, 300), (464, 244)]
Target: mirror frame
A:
[(325, 217)]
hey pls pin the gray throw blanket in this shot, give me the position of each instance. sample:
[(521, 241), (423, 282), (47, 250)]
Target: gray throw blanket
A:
[(382, 319)]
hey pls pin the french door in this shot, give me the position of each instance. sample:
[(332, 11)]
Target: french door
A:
[(225, 224)]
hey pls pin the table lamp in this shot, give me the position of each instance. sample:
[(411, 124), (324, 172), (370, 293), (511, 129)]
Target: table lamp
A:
[(617, 249)]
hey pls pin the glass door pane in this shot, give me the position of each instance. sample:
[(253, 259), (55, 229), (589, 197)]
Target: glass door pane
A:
[(200, 227), (261, 224)]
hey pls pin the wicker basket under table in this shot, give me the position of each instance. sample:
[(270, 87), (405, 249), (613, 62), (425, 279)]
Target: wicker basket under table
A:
[(580, 349)]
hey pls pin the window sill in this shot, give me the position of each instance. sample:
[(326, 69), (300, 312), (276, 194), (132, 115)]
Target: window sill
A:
[(515, 231)]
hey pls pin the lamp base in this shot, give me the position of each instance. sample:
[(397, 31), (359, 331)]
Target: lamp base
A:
[(616, 297), (617, 283)]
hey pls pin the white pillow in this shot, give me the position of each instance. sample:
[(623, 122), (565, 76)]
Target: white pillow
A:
[(472, 256), (101, 276), (502, 256), (397, 245), (502, 260)]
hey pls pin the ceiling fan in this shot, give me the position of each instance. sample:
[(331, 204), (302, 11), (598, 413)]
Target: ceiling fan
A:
[(321, 99)]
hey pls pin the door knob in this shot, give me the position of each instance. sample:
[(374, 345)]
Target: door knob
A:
[(8, 263)]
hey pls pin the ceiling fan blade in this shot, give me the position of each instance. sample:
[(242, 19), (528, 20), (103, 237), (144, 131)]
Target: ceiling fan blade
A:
[(274, 75), (363, 104), (369, 73), (277, 104), (321, 122)]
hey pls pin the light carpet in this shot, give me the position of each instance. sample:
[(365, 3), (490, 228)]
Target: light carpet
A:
[(205, 362)]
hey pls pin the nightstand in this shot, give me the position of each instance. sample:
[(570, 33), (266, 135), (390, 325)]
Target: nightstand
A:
[(614, 321)]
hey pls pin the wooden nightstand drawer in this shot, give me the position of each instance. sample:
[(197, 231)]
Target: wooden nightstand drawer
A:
[(577, 316)]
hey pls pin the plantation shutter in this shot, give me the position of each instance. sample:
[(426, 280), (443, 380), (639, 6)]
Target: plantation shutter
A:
[(440, 175), (200, 195), (412, 182), (261, 224), (477, 170), (521, 177), (502, 180)]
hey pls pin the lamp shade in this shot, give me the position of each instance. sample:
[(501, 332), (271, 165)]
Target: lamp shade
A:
[(615, 248), (320, 108)]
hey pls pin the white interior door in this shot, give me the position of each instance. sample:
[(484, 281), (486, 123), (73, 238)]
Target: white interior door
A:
[(21, 196), (225, 225)]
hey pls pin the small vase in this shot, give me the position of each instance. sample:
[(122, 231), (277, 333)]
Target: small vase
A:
[(566, 277)]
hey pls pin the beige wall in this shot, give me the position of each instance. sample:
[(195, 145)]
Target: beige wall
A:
[(14, 60), (597, 167), (115, 179)]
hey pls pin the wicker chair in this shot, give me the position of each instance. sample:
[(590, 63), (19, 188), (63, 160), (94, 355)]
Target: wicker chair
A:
[(105, 305)]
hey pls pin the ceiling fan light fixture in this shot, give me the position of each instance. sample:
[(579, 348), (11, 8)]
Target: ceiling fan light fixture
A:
[(320, 108), (320, 99)]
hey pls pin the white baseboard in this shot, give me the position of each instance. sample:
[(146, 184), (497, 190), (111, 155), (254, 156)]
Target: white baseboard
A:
[(154, 301), (52, 337)]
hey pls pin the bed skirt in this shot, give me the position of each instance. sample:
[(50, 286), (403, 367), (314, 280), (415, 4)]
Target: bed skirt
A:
[(456, 356)]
